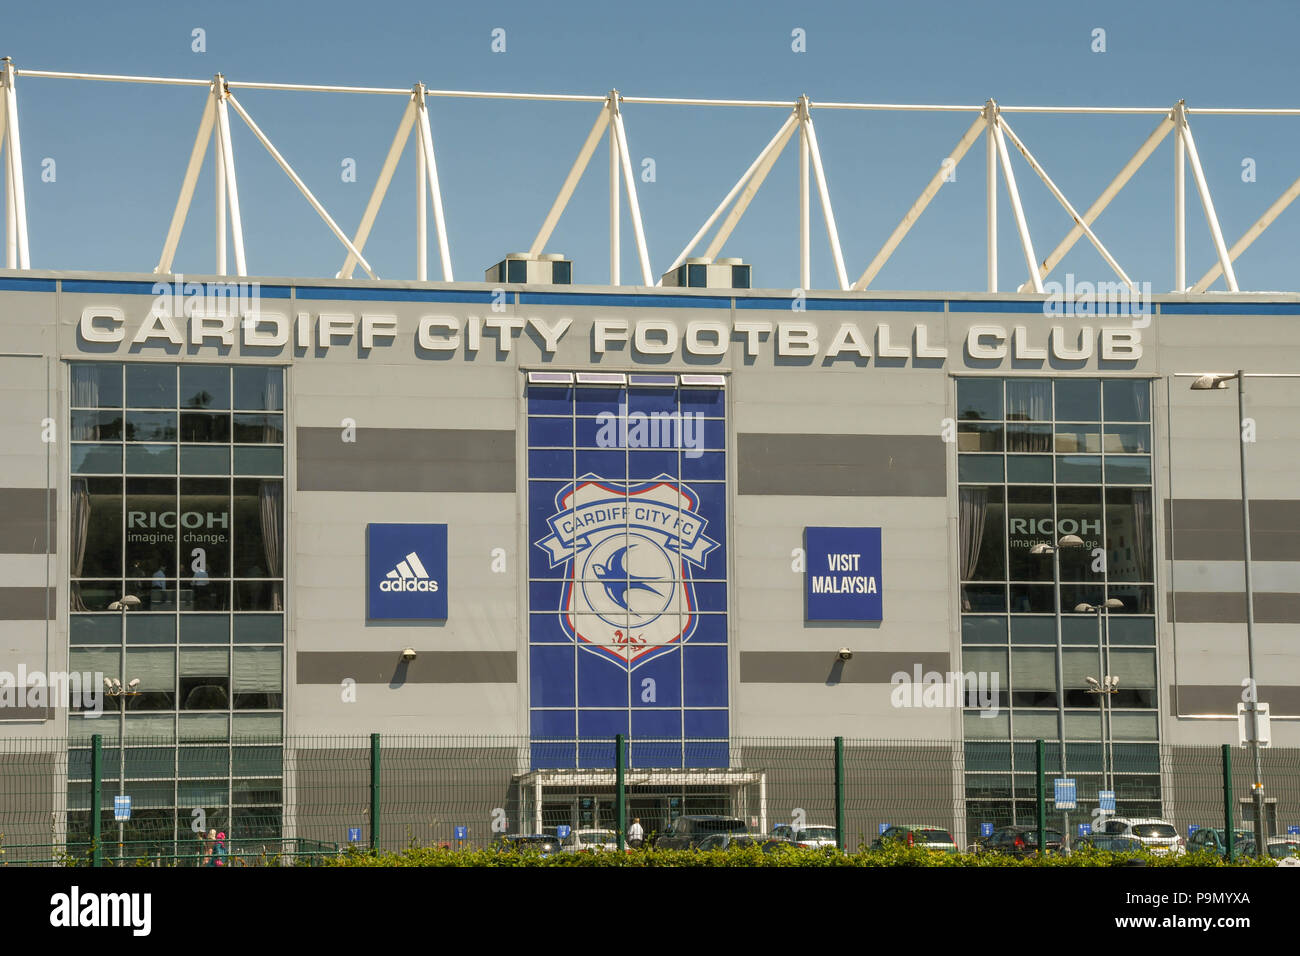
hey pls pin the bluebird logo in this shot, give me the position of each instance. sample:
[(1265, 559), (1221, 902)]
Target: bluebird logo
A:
[(628, 552)]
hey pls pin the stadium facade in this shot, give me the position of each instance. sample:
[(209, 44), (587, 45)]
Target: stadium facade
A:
[(302, 509)]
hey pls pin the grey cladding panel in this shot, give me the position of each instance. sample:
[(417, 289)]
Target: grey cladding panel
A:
[(407, 459), (821, 667), (429, 667), (844, 465), (23, 526), (1209, 529)]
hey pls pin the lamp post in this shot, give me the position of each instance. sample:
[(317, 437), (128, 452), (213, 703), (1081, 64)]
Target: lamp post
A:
[(1218, 380), (129, 602), (1065, 541), (1108, 684)]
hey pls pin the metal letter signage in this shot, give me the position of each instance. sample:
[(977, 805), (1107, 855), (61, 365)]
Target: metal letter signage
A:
[(406, 572), (843, 581)]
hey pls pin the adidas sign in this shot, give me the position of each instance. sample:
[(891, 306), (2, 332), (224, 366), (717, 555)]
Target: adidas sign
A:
[(409, 575)]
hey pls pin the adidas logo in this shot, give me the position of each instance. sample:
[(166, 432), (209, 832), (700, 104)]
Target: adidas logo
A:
[(409, 575)]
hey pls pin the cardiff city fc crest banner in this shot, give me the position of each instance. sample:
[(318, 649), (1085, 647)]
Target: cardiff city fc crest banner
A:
[(628, 553)]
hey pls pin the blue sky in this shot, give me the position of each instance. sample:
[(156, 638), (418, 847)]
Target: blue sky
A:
[(120, 150)]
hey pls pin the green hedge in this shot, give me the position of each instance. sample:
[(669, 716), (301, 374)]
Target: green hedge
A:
[(753, 856)]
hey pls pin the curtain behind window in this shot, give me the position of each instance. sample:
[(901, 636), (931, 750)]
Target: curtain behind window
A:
[(271, 503), (80, 507)]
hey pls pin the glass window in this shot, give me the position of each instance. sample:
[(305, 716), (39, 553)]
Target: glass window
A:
[(151, 460), (151, 529), (1078, 399), (983, 629), (982, 529), (205, 386), (208, 427), (979, 436), (1033, 676), (1126, 439), (150, 386), (96, 426), (263, 429), (96, 459), (1078, 438), (96, 385), (1029, 469), (257, 678), (1127, 400), (205, 460), (1128, 469), (155, 669), (1029, 520), (258, 388), (1029, 400), (150, 426), (1033, 630), (979, 399), (204, 678), (1078, 469), (979, 468)]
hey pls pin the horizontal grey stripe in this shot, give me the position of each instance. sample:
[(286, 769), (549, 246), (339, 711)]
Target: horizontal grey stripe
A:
[(1282, 577), (820, 667), (27, 604), (22, 521), (1223, 699), (848, 465), (26, 713), (387, 667), (407, 459), (1209, 529), (1229, 607)]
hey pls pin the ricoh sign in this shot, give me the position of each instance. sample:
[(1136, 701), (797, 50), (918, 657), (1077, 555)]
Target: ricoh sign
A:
[(595, 334)]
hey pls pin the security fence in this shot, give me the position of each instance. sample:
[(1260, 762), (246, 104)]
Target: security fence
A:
[(301, 799)]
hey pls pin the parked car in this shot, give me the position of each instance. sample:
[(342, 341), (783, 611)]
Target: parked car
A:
[(1020, 841), (1160, 836), (924, 836), (1111, 843), (686, 832), (814, 835), (589, 839), (526, 843), (1211, 840), (725, 841), (1283, 847)]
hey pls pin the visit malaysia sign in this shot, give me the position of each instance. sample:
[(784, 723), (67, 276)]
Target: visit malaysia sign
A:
[(843, 580)]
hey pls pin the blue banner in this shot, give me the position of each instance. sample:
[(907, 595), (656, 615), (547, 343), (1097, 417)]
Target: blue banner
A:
[(406, 572), (843, 581)]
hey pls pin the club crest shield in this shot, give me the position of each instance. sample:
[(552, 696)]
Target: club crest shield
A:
[(629, 551)]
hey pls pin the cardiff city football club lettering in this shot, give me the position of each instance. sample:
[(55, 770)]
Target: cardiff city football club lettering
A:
[(628, 552)]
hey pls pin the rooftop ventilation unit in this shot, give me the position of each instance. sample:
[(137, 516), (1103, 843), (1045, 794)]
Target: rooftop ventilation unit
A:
[(700, 273), (546, 269)]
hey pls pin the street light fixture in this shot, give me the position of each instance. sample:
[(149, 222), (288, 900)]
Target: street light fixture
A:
[(1065, 541), (128, 602), (1207, 381), (1108, 685)]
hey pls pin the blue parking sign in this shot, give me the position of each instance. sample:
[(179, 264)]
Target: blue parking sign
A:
[(562, 831), (884, 827), (1292, 830), (461, 833), (354, 834), (1192, 828), (121, 808), (1085, 829), (986, 829), (1106, 800)]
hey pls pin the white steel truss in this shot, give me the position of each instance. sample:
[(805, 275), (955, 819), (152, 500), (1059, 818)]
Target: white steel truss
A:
[(990, 121)]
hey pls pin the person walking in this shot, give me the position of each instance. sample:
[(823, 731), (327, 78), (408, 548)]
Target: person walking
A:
[(218, 855), (635, 833)]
